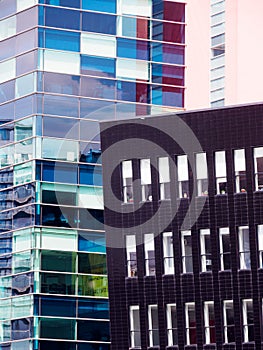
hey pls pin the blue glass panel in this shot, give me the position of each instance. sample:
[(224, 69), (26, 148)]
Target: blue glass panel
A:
[(62, 18), (22, 284), (57, 328), (130, 48), (6, 243), (92, 330), (24, 107), (93, 308), (22, 328), (100, 5), (57, 306), (59, 216), (62, 40), (99, 23), (104, 67), (7, 91), (61, 105), (60, 172), (167, 96), (57, 345), (90, 175), (24, 217), (91, 218), (61, 83), (90, 153), (65, 3), (87, 346), (167, 53), (96, 109), (5, 265), (126, 91), (91, 242), (61, 127), (100, 88)]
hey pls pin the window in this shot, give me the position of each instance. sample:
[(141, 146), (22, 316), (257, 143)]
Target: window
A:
[(183, 176), (229, 322), (98, 45), (135, 331), (220, 165), (164, 178), (201, 174), (153, 325), (190, 322), (168, 254), (225, 248), (205, 245), (146, 180), (244, 247), (127, 181), (248, 320), (260, 245), (209, 321), (240, 170), (172, 330), (187, 259), (258, 164), (131, 255), (149, 254)]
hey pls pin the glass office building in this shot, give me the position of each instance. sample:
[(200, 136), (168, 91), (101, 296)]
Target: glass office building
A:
[(65, 65)]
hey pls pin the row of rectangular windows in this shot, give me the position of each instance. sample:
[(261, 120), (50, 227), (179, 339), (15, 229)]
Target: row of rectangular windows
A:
[(201, 175), (187, 251), (209, 328)]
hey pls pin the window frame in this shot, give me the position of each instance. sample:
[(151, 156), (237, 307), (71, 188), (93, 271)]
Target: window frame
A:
[(247, 326), (227, 326), (172, 332), (224, 231), (256, 172), (220, 172), (183, 176), (149, 242), (146, 180), (127, 181), (168, 253), (206, 257), (201, 175), (183, 255), (240, 170), (207, 326), (151, 330), (164, 178), (133, 329), (131, 249), (188, 328), (244, 263)]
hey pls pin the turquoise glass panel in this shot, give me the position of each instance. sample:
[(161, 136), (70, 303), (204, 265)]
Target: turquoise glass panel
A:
[(99, 5), (62, 40), (98, 66)]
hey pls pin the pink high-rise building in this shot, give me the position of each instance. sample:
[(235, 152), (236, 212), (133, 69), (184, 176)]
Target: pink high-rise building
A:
[(224, 54)]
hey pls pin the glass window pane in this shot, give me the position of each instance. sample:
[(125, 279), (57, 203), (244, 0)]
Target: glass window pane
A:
[(93, 286), (98, 88), (62, 18), (7, 70), (23, 173), (98, 45), (100, 5), (24, 4), (57, 328), (92, 263), (132, 69), (53, 283), (22, 306), (62, 40), (92, 330), (91, 197), (65, 3), (66, 240), (61, 62), (60, 149), (7, 27), (99, 23), (93, 308), (25, 85), (136, 7), (91, 242), (132, 49), (104, 67), (61, 127), (57, 306), (58, 261), (167, 53)]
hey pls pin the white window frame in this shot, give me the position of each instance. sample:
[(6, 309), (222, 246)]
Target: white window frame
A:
[(183, 176), (164, 178), (227, 326), (240, 170), (149, 248), (172, 332), (127, 178), (168, 253), (133, 328), (258, 153), (260, 245), (201, 174), (206, 257), (207, 325), (245, 304), (153, 331), (188, 328), (244, 251), (131, 255), (146, 180), (223, 231), (184, 256), (220, 171)]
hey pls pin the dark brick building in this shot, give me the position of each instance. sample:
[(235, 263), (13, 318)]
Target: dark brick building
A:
[(184, 226)]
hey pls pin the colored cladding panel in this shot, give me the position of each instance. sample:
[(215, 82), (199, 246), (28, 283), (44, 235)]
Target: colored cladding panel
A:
[(104, 67), (91, 242), (129, 48), (65, 3), (99, 23), (168, 75), (62, 18), (62, 40), (99, 5), (167, 96)]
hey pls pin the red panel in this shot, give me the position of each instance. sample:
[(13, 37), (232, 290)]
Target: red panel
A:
[(142, 28), (174, 11)]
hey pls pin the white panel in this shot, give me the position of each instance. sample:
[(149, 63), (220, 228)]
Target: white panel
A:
[(7, 27), (136, 7), (218, 94), (217, 73), (145, 166), (220, 162), (217, 61), (98, 45), (182, 168), (217, 84), (201, 166), (218, 29), (92, 197), (130, 244), (219, 7), (132, 69), (260, 237), (240, 160), (61, 62), (127, 169), (24, 4), (62, 242), (258, 152), (164, 173), (148, 243), (25, 85), (7, 70)]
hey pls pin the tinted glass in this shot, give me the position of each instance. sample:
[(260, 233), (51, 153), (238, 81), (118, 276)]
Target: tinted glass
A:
[(57, 306), (62, 40), (91, 218), (57, 328), (92, 263), (91, 242), (90, 175), (66, 3), (98, 66), (100, 5), (58, 261), (61, 127), (99, 23), (91, 330), (93, 308), (169, 75), (100, 88), (62, 18), (132, 48), (53, 283)]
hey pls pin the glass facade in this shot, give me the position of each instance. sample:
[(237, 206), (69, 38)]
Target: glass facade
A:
[(64, 66)]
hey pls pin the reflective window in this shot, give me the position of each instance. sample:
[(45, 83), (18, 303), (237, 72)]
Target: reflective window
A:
[(94, 264), (132, 69), (98, 23), (54, 283), (96, 110), (170, 75), (60, 172), (146, 180), (248, 320), (131, 255), (61, 127), (66, 240), (92, 330), (209, 322), (100, 5), (91, 218), (58, 261), (7, 70), (90, 175), (104, 67), (167, 96), (61, 105), (7, 27), (62, 40), (136, 7), (22, 306), (132, 49), (57, 328), (132, 92), (27, 19), (60, 149), (93, 286), (7, 91), (7, 7), (22, 262), (24, 4), (57, 306), (59, 216), (172, 326), (149, 254), (133, 27), (127, 186), (135, 329), (94, 308), (62, 18), (26, 62), (61, 62), (190, 323), (91, 242), (25, 85), (65, 3), (167, 53), (99, 88), (23, 173)]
